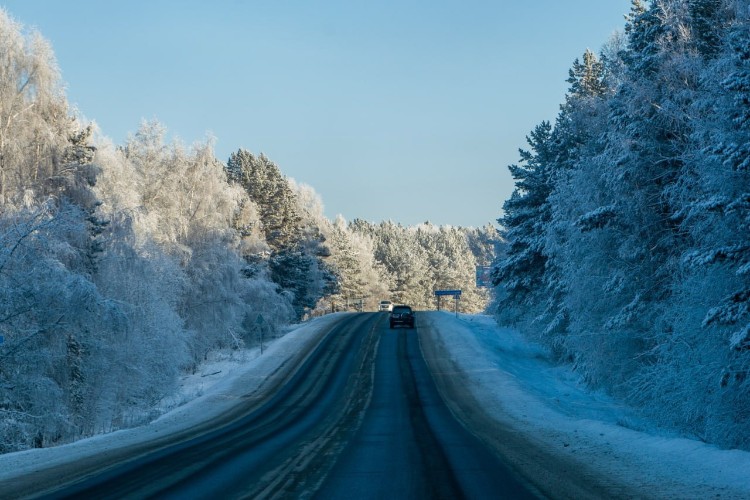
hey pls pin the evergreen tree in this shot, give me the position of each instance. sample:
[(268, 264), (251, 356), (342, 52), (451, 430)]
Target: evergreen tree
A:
[(297, 251), (723, 189), (576, 139), (269, 190), (715, 291), (526, 215), (629, 240), (586, 78), (706, 26), (405, 261), (626, 234), (346, 260), (452, 264)]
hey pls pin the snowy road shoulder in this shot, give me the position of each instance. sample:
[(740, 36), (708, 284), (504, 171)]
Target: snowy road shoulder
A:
[(517, 386), (512, 381), (245, 376)]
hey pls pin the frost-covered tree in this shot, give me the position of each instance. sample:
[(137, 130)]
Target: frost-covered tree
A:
[(520, 275), (415, 261), (297, 255), (712, 314), (586, 78), (270, 191), (36, 125), (45, 153), (51, 311), (406, 263), (55, 323), (613, 229), (345, 258), (643, 284), (484, 243), (452, 264), (706, 26), (189, 209), (580, 119)]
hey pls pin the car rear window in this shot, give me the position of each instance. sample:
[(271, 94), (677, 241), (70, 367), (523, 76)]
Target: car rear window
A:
[(401, 309)]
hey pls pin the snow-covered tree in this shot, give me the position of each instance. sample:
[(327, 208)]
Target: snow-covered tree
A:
[(712, 314), (270, 191), (416, 261), (520, 275), (641, 277), (297, 255), (34, 116)]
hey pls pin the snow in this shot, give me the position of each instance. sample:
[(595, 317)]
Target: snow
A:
[(515, 380), (211, 395), (512, 378)]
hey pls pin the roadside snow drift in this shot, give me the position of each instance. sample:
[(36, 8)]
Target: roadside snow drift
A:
[(512, 380), (516, 384)]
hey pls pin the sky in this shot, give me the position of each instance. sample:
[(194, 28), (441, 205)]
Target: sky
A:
[(513, 380), (409, 111)]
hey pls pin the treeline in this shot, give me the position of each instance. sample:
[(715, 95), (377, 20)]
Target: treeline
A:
[(628, 231), (124, 266)]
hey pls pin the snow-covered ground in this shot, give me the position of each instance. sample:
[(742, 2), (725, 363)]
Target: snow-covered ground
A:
[(514, 380), (507, 375), (202, 397)]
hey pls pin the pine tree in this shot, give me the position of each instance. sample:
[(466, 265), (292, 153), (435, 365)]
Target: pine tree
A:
[(524, 222), (346, 260), (706, 26), (719, 216), (297, 254), (405, 261), (734, 152), (269, 190), (575, 136), (586, 78)]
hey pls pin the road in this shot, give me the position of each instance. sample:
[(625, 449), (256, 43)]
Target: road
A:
[(409, 444), (360, 418)]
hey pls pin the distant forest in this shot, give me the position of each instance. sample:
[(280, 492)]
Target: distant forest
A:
[(124, 266), (628, 238)]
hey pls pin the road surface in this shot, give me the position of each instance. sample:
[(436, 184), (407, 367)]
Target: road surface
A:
[(360, 418)]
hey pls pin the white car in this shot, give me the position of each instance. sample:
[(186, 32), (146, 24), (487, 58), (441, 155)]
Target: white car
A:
[(385, 306)]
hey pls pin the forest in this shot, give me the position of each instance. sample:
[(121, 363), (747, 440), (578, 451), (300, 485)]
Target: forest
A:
[(122, 266), (628, 238), (624, 248)]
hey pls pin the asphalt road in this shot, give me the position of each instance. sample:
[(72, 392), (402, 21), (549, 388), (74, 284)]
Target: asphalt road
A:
[(409, 444), (360, 418)]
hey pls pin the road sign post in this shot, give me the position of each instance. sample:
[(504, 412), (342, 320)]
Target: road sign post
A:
[(455, 293)]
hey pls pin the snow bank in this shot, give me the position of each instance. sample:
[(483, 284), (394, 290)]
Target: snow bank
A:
[(517, 384), (512, 379), (203, 396)]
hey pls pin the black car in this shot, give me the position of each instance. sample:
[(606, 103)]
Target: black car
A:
[(402, 315)]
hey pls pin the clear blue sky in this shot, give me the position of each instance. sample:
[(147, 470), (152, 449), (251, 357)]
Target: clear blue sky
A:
[(401, 110)]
